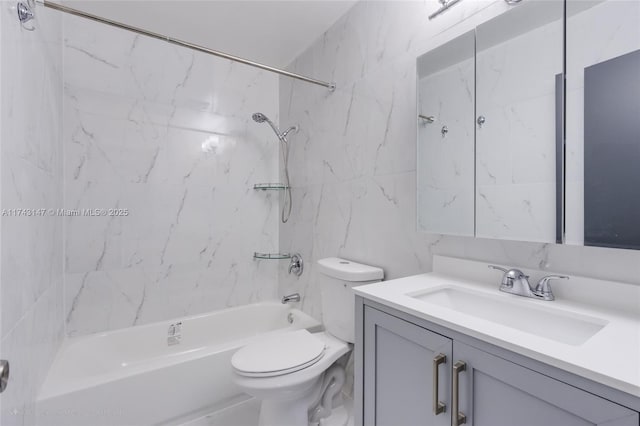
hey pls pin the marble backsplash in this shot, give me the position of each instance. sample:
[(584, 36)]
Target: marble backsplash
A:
[(353, 164), (163, 136)]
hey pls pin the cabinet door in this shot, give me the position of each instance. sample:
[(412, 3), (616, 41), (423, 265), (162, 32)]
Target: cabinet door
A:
[(398, 372), (496, 392), (519, 122)]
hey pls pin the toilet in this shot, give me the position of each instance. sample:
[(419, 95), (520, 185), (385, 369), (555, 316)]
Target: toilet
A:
[(294, 373)]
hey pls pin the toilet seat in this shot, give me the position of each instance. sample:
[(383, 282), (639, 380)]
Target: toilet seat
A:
[(278, 355)]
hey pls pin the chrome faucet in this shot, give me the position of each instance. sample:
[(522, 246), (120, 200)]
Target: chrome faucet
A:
[(514, 281), (295, 297)]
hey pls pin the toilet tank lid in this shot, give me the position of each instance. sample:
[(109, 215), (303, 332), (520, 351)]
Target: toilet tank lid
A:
[(349, 271)]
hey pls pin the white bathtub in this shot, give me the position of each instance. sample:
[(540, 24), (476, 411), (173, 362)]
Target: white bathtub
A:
[(134, 376)]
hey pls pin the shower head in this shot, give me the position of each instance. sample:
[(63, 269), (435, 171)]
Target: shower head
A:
[(259, 117)]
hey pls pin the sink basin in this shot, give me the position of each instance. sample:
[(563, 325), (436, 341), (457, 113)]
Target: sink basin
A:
[(565, 327)]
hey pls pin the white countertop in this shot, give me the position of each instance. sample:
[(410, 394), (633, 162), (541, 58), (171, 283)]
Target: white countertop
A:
[(610, 357)]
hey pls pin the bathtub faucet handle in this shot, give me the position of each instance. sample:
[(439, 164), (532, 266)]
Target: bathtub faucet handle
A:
[(296, 265), (295, 297)]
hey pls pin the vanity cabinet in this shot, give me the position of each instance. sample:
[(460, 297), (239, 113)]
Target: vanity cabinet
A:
[(396, 375), (496, 392), (399, 370)]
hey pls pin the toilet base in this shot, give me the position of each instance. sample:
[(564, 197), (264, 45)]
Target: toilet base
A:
[(278, 413), (291, 409), (304, 408)]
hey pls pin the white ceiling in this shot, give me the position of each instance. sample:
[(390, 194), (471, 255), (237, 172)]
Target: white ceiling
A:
[(272, 32)]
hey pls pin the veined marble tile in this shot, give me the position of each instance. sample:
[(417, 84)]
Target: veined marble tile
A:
[(31, 282), (520, 68), (141, 69), (92, 242), (106, 300), (521, 212), (165, 134), (517, 143)]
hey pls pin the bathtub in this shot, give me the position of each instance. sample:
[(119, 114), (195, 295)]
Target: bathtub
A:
[(168, 373)]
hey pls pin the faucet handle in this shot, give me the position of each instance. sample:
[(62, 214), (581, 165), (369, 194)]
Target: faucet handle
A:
[(510, 275), (499, 268), (296, 265), (543, 289)]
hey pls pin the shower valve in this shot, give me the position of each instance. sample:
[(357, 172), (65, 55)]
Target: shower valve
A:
[(296, 265)]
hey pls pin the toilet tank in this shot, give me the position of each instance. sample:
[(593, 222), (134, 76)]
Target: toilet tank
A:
[(336, 279)]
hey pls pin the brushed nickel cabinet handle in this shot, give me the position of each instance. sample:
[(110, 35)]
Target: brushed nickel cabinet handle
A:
[(457, 418), (438, 406)]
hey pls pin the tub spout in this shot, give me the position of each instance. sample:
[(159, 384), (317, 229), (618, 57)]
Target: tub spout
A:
[(295, 297)]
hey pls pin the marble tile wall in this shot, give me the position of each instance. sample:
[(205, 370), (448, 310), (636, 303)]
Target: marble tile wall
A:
[(165, 134), (31, 267), (353, 164)]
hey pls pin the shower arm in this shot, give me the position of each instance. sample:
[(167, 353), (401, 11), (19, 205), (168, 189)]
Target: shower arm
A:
[(55, 6)]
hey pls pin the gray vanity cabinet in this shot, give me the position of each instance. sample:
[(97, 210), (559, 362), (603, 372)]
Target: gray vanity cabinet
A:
[(497, 392), (395, 384), (399, 371)]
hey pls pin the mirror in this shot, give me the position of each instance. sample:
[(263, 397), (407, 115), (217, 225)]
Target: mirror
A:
[(519, 64), (445, 151), (603, 123), (490, 104)]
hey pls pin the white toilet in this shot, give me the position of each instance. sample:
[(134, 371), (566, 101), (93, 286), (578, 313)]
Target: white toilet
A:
[(293, 373)]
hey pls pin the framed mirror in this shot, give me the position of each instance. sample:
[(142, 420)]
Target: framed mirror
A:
[(445, 146), (603, 123)]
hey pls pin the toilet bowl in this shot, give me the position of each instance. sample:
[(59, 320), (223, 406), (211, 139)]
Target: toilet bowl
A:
[(291, 391), (294, 373)]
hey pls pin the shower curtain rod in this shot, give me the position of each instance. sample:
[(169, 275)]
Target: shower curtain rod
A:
[(76, 12)]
